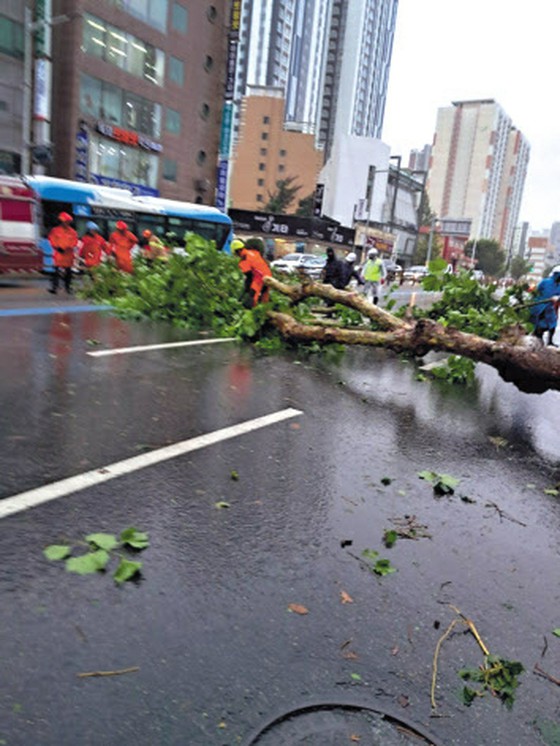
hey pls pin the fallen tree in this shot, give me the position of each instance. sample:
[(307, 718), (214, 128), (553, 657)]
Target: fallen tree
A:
[(203, 289), (532, 368)]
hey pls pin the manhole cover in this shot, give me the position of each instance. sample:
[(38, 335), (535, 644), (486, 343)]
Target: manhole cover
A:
[(338, 725)]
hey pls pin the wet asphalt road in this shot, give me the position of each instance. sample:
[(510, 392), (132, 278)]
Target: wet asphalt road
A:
[(208, 625)]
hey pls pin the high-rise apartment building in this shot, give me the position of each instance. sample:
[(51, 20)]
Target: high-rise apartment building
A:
[(478, 168), (137, 91), (331, 58), (11, 86)]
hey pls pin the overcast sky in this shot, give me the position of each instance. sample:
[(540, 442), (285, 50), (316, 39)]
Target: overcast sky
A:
[(452, 50)]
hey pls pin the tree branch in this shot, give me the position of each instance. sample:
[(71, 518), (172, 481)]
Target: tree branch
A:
[(530, 370)]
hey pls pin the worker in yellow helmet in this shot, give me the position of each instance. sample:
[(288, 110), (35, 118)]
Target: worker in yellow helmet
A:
[(255, 269)]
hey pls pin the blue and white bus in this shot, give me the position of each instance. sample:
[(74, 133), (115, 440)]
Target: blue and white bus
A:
[(106, 205)]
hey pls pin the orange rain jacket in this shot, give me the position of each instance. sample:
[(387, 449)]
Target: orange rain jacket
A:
[(252, 263), (64, 240), (92, 248), (120, 244)]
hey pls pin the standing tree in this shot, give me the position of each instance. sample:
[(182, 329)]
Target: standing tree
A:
[(305, 206), (489, 255), (519, 267), (283, 197)]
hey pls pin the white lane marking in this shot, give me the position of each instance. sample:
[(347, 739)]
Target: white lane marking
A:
[(145, 348), (40, 495)]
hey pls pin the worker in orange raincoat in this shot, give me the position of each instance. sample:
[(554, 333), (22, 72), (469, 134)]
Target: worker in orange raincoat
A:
[(255, 269), (92, 246), (121, 243), (63, 239)]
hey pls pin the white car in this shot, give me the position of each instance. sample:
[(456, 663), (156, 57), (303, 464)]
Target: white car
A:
[(309, 264), (415, 273)]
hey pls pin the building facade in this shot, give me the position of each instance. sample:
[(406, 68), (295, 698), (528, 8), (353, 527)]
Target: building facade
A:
[(137, 92), (478, 168), (331, 58), (266, 152), (12, 119)]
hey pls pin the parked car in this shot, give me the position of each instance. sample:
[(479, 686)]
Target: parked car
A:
[(309, 264), (415, 273)]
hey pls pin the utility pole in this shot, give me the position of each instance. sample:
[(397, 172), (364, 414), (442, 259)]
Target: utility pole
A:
[(27, 89), (430, 241)]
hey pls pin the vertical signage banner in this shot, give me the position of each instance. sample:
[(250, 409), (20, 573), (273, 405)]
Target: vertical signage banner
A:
[(41, 103), (231, 65), (235, 18), (225, 132), (318, 200), (222, 184)]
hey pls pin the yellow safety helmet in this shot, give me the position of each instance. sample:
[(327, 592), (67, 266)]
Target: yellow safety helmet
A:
[(237, 244)]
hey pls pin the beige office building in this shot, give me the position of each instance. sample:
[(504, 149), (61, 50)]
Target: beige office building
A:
[(266, 153), (478, 168)]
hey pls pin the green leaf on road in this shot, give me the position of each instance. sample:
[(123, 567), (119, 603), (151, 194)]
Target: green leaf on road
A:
[(134, 538), (234, 475), (221, 504), (103, 541), (443, 484), (552, 491), (370, 554), (89, 563), (389, 538), (383, 567), (355, 676), (126, 570), (556, 631), (386, 481), (56, 552)]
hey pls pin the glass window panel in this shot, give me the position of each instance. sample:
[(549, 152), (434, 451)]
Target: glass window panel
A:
[(176, 70), (138, 8), (132, 105), (94, 36), (109, 160), (117, 47), (169, 170), (90, 96), (136, 55), (179, 18), (159, 67), (129, 160), (153, 65), (111, 104), (173, 121), (11, 37), (158, 13)]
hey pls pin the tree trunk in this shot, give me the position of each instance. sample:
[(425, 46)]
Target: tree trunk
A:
[(532, 371)]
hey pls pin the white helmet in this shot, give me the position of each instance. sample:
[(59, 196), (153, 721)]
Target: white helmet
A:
[(351, 257), (555, 270), (372, 253)]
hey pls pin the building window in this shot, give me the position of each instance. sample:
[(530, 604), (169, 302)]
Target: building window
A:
[(11, 37), (201, 157), (152, 12), (102, 100), (212, 13), (205, 111), (282, 153), (208, 63), (262, 167), (123, 50), (259, 198), (173, 121), (179, 18), (266, 120), (264, 135), (169, 171), (281, 167), (264, 151), (113, 160), (260, 182), (176, 70)]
